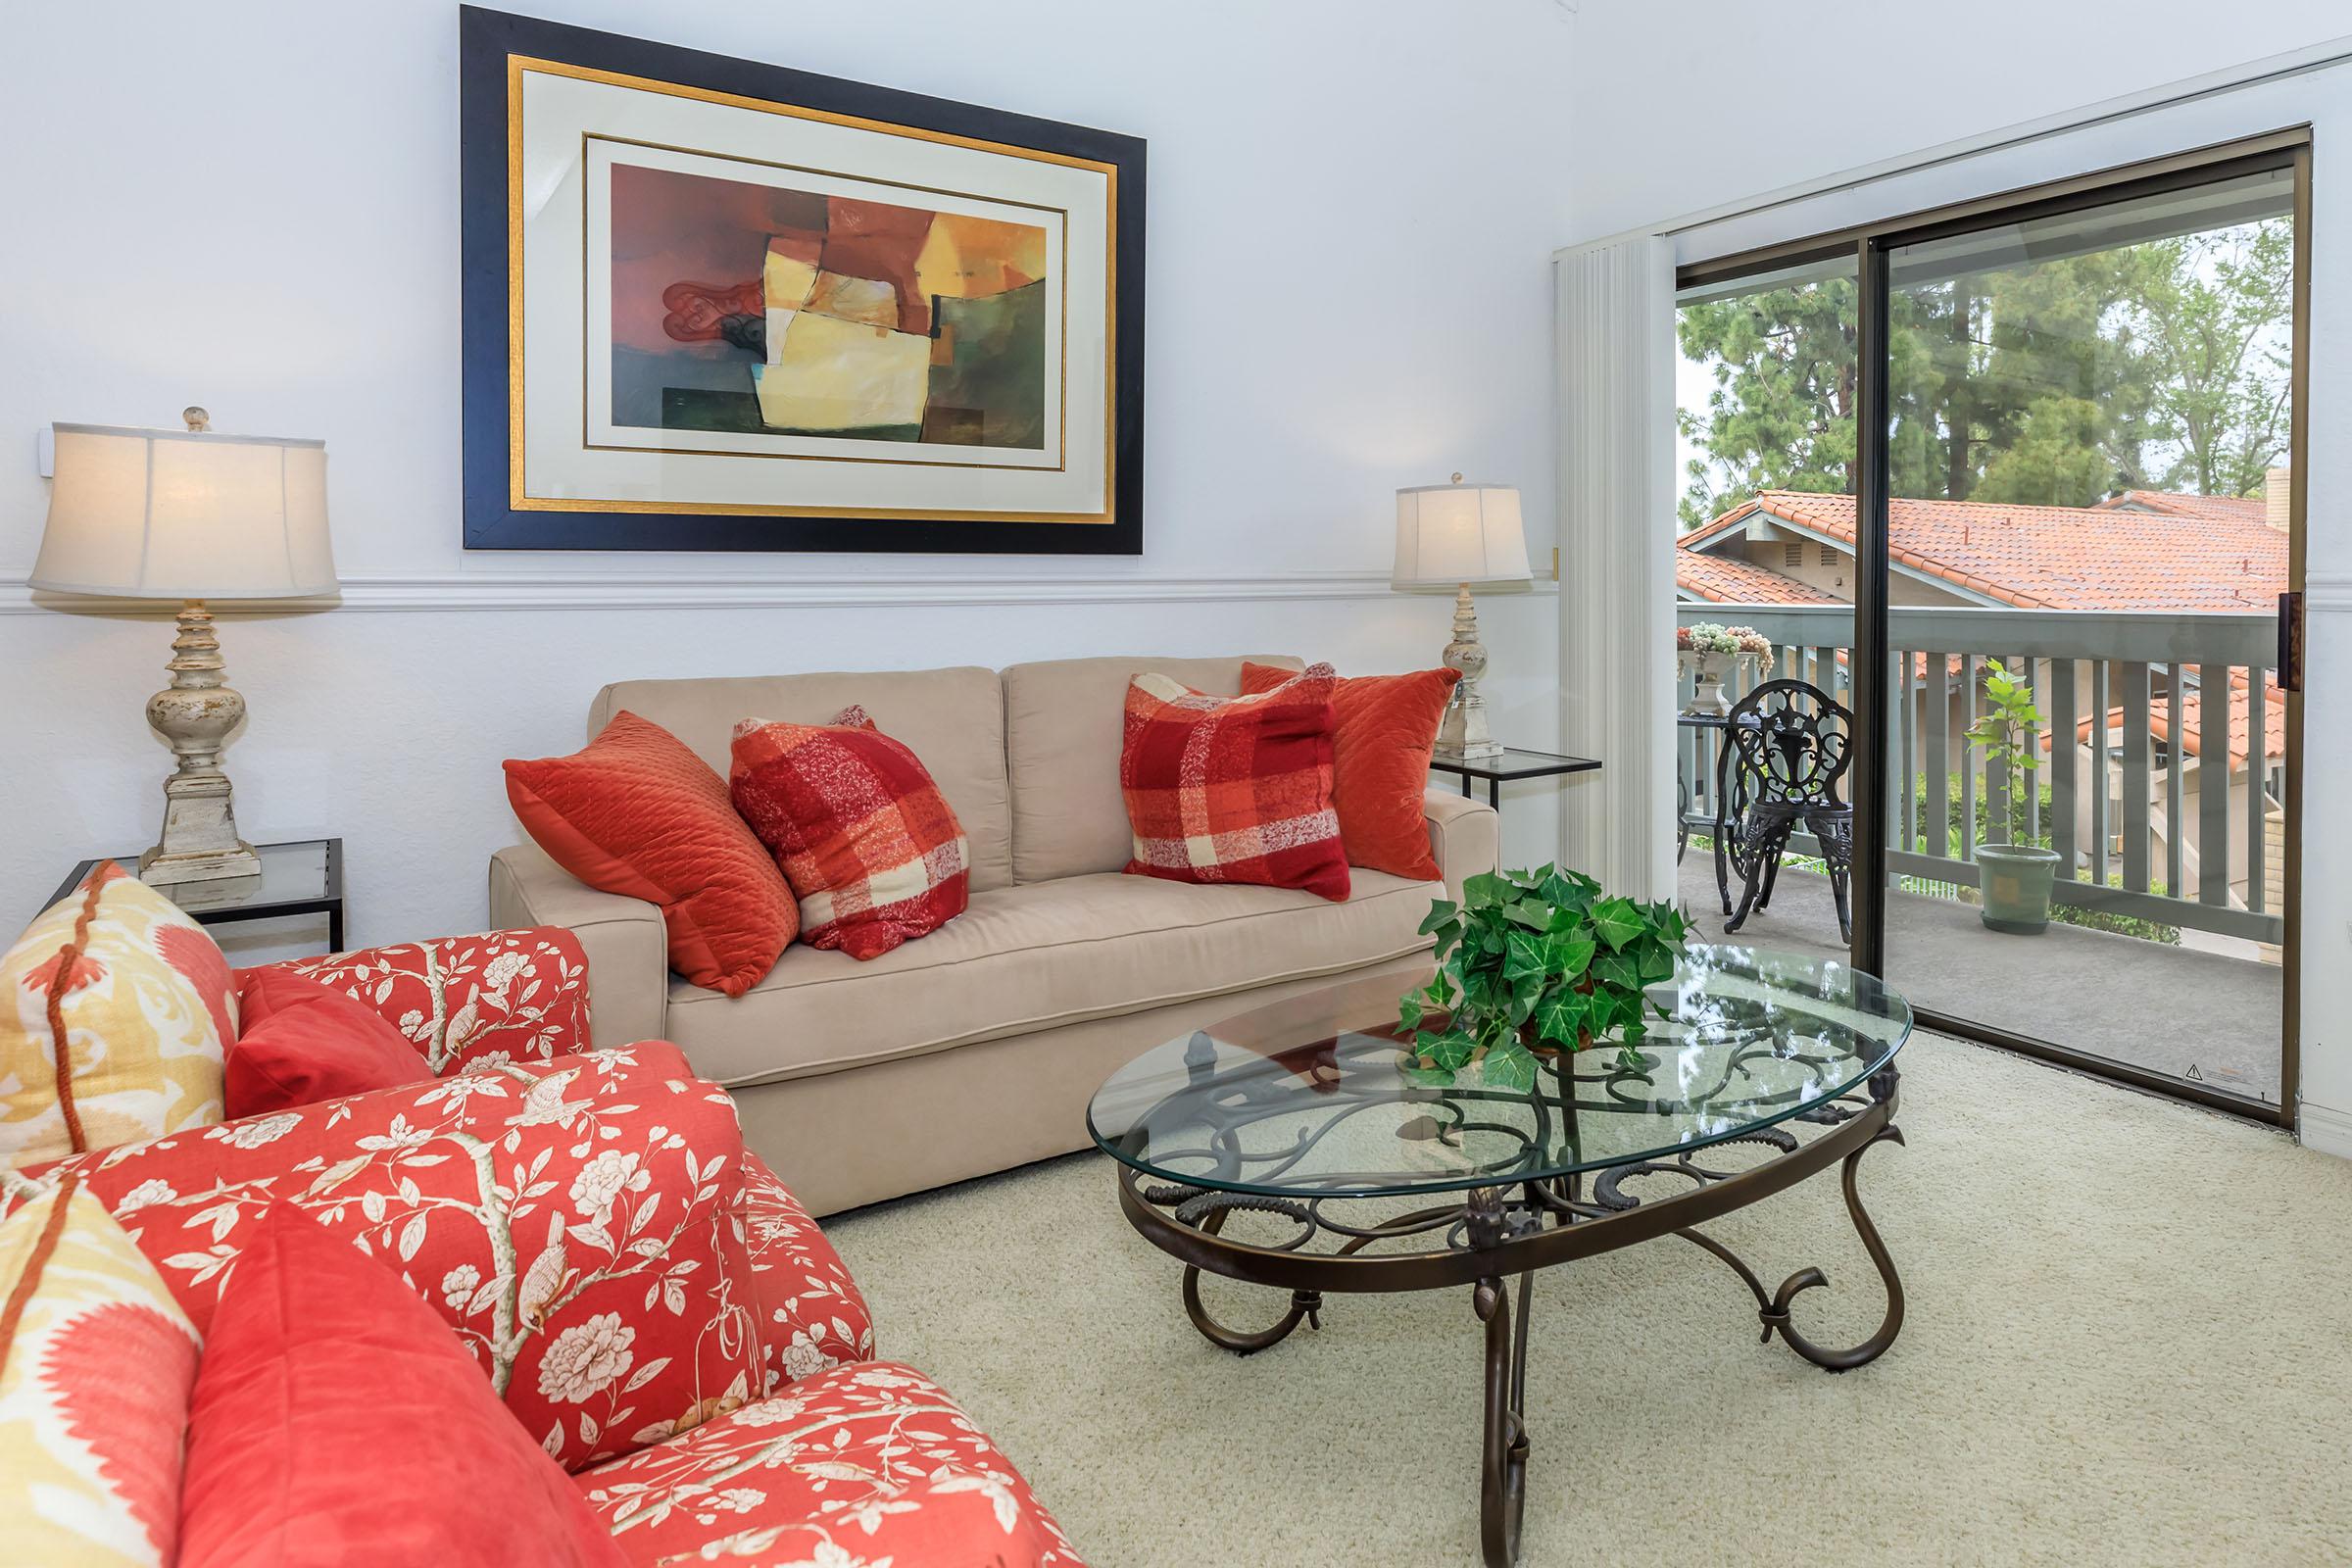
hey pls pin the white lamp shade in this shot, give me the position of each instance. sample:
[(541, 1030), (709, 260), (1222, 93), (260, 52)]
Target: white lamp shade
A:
[(185, 514), (1449, 534)]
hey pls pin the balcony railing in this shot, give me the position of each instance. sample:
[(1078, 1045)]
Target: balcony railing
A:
[(2144, 826)]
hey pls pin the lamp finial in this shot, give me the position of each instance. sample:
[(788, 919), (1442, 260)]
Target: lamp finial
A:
[(198, 419)]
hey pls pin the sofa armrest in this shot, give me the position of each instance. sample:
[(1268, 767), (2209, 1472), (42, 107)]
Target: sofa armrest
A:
[(1464, 835), (625, 941), (579, 1223), (502, 996)]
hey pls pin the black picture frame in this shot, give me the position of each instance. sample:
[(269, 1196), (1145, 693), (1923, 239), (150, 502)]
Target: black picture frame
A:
[(486, 39)]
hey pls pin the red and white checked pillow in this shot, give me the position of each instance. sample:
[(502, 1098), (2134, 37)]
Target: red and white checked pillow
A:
[(1234, 789), (858, 828)]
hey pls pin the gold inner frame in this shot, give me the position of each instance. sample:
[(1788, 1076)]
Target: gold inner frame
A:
[(517, 66)]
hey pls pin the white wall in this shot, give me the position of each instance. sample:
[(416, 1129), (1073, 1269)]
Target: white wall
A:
[(1720, 144), (253, 204), (1703, 102)]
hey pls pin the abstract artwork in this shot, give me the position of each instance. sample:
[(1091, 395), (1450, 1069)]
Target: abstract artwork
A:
[(762, 309), (711, 304)]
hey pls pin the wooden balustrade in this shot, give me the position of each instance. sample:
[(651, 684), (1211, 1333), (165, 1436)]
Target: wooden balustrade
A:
[(2112, 750)]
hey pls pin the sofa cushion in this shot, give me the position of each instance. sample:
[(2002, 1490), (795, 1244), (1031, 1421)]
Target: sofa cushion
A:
[(857, 826), (300, 1042), (952, 719), (336, 1420), (1038, 954), (96, 1364), (1064, 721), (867, 1463), (116, 1014), (1234, 789)]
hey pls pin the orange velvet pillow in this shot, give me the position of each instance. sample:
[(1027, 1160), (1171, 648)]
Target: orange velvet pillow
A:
[(1386, 728), (638, 813), (301, 1041)]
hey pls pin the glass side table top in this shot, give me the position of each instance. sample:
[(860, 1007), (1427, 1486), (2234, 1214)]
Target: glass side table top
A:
[(1305, 1097), (305, 873)]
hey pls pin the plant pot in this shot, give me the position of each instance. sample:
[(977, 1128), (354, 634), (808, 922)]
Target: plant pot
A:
[(1707, 687), (2016, 879)]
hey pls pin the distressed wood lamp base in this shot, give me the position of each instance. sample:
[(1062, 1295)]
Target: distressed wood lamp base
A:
[(196, 715)]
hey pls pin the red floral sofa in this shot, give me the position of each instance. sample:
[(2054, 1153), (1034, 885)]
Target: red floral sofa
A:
[(644, 1295)]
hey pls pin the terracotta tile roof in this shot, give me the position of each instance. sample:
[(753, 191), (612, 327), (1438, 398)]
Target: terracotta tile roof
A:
[(2192, 718), (2062, 557), (2224, 509), (1729, 580)]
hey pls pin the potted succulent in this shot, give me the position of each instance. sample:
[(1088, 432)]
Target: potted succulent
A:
[(1535, 963), (1708, 651), (2016, 878)]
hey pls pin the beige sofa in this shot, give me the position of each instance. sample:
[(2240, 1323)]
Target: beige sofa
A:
[(976, 1047)]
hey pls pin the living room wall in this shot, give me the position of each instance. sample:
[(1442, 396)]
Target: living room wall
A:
[(252, 206)]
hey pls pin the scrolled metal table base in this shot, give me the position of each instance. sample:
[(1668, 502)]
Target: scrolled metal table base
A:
[(1495, 1234)]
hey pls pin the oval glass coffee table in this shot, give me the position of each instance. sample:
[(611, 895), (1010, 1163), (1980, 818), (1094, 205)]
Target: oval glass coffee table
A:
[(1768, 1067)]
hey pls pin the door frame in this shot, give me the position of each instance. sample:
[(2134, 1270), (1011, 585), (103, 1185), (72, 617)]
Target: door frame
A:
[(1872, 245)]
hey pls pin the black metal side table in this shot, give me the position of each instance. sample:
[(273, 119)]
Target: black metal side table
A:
[(1512, 763), (300, 877)]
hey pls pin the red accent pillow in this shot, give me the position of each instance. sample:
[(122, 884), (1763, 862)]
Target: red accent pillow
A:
[(304, 1042), (1233, 789), (1385, 729), (638, 813), (857, 828), (337, 1421)]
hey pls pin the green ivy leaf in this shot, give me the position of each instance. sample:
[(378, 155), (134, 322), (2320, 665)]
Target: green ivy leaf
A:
[(1448, 1050), (1532, 913), (1656, 961), (1569, 954), (1509, 1066), (1441, 913), (1616, 921), (1485, 891), (1408, 1012), (1428, 1077), (1525, 958), (1619, 970), (1559, 1015), (1441, 989)]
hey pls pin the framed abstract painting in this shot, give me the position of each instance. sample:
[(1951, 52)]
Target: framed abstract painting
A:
[(717, 305)]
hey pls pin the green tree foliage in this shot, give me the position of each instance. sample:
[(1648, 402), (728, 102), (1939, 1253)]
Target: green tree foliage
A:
[(2159, 365)]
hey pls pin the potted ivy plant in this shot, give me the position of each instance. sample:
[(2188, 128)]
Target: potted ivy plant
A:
[(1536, 962), (2014, 879)]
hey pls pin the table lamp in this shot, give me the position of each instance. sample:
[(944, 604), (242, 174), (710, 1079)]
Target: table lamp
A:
[(1458, 536), (191, 516)]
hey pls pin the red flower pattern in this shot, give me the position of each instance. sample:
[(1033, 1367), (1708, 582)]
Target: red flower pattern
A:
[(468, 1002)]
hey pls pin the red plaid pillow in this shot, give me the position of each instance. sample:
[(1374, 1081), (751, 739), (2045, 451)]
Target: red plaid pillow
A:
[(858, 828), (1234, 789)]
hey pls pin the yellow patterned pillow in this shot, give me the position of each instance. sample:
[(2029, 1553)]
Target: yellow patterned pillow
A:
[(96, 1366), (116, 1011)]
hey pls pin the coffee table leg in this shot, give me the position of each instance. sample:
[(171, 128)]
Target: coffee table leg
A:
[(1306, 1307), (1775, 1313), (1503, 1474)]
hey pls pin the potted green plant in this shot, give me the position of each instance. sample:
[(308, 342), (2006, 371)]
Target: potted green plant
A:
[(1708, 651), (1535, 961), (2016, 878)]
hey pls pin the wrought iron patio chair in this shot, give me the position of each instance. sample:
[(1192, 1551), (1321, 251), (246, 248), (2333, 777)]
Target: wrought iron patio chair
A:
[(1785, 751)]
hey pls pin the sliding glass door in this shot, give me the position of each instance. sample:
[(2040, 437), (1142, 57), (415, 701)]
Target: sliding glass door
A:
[(2049, 572)]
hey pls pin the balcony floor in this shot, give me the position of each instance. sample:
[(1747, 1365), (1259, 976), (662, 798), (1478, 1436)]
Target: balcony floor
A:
[(2160, 1008)]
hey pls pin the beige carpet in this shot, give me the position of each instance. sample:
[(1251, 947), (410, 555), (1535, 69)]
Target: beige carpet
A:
[(2129, 1341)]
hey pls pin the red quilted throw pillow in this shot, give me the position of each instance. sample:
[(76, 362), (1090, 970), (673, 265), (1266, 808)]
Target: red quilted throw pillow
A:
[(1234, 789), (1384, 728), (638, 813), (858, 828), (337, 1423), (303, 1042)]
